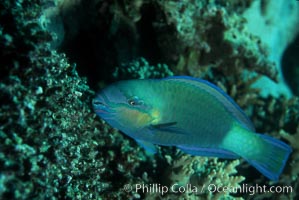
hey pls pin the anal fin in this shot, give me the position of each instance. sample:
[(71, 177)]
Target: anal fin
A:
[(209, 152)]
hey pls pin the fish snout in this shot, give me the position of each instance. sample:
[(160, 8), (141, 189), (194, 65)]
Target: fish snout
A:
[(96, 103), (99, 104)]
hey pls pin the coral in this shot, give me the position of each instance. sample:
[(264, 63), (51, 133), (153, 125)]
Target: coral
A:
[(277, 28), (218, 38), (201, 174), (52, 140), (209, 34), (291, 178), (140, 69), (53, 146)]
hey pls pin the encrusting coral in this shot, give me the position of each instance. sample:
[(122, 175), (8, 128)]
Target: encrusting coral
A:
[(195, 177), (52, 145), (212, 35), (140, 69)]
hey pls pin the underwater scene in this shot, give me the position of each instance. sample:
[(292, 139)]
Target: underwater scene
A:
[(149, 99)]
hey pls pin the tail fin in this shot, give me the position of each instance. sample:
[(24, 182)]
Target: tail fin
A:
[(272, 161)]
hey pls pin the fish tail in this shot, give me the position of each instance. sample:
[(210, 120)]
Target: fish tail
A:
[(272, 157)]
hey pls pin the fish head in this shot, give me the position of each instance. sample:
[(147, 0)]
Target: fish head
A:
[(125, 106)]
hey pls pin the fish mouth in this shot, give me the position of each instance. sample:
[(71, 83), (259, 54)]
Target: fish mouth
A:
[(101, 106)]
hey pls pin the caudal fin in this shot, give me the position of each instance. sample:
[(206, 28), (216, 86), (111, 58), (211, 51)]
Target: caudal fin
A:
[(272, 160)]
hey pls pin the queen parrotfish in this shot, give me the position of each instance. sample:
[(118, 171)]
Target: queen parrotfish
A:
[(192, 114)]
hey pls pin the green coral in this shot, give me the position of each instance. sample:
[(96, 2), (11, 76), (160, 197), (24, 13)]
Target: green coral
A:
[(210, 35), (140, 69), (202, 173), (53, 145)]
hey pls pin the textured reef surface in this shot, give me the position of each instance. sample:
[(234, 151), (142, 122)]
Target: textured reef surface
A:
[(55, 54)]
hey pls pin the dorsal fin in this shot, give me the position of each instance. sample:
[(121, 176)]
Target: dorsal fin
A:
[(230, 105)]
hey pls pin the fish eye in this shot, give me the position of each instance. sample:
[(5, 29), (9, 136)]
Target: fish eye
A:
[(134, 101)]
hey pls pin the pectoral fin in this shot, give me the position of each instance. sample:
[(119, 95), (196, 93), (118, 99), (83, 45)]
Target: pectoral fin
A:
[(167, 127), (164, 125)]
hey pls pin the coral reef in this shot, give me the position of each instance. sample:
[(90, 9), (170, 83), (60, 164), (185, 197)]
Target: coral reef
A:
[(52, 144), (198, 176), (218, 38), (277, 28), (140, 69)]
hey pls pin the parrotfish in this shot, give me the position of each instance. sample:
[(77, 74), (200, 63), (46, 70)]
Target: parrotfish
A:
[(191, 114)]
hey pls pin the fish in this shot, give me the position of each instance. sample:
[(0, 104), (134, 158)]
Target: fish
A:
[(191, 114)]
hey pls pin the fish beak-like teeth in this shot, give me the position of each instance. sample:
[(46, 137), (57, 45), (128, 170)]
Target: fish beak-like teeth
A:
[(98, 104)]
